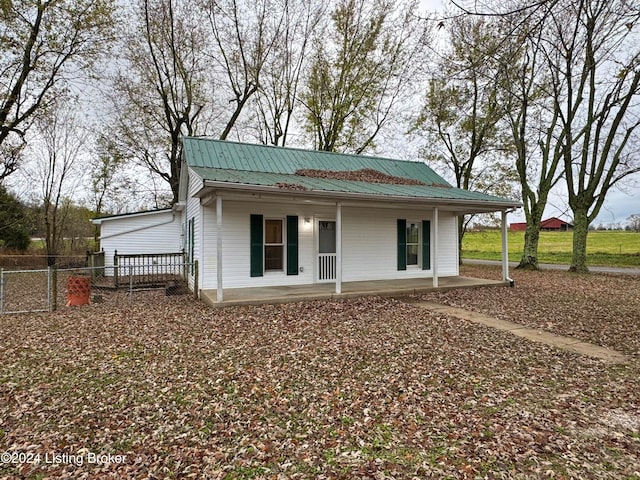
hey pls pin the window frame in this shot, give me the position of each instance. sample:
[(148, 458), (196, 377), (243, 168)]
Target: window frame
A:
[(281, 245), (417, 244)]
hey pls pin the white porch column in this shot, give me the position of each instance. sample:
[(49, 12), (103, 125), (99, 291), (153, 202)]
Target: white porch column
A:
[(219, 293), (435, 247), (339, 248), (505, 248)]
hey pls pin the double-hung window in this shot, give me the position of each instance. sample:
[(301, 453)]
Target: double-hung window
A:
[(273, 244), (413, 243)]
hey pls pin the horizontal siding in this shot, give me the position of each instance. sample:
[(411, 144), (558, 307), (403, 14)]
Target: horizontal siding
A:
[(192, 210), (448, 266), (370, 244), (154, 233), (236, 268)]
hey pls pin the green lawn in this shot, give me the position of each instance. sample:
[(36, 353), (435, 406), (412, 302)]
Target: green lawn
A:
[(603, 247)]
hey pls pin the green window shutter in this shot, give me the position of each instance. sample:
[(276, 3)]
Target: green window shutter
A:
[(292, 245), (256, 251), (402, 244), (426, 244), (191, 243)]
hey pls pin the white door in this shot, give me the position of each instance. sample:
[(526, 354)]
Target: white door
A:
[(326, 250)]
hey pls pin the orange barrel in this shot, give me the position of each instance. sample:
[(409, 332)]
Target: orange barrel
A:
[(78, 291)]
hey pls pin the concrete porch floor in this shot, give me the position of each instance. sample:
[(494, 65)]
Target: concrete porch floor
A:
[(324, 291)]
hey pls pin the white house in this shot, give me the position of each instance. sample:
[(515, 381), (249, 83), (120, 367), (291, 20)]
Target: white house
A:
[(259, 216), (153, 232)]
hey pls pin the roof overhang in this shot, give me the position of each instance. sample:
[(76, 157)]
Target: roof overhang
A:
[(211, 189), (99, 220)]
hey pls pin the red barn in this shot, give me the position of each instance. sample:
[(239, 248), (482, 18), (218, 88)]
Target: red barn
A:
[(552, 224)]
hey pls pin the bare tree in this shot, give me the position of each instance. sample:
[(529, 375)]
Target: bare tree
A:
[(363, 65), (58, 143), (245, 33), (593, 59), (529, 110), (159, 92), (43, 45), (277, 96)]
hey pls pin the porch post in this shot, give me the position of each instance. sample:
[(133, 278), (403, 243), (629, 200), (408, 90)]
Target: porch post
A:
[(339, 248), (219, 248), (505, 248), (435, 247)]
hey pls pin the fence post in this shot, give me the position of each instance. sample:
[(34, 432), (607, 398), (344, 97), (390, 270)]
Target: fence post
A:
[(195, 279), (1, 290), (130, 284), (53, 272), (115, 268)]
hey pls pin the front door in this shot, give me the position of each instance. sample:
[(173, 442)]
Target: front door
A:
[(326, 250)]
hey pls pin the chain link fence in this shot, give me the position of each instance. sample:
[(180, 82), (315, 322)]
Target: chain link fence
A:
[(43, 290)]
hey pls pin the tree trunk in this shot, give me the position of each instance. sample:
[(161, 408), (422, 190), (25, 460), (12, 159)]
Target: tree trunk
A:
[(580, 230), (529, 260)]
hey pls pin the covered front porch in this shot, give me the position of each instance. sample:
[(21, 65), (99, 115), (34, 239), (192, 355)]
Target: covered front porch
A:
[(325, 291)]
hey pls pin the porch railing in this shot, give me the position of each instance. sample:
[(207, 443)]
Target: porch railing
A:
[(326, 266), (148, 268)]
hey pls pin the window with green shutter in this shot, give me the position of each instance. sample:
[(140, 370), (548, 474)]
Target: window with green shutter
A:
[(256, 235), (402, 244), (191, 244), (292, 245), (426, 244)]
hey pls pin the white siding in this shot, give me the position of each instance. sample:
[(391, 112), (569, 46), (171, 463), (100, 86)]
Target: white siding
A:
[(235, 246), (192, 210), (369, 243), (156, 232), (448, 266)]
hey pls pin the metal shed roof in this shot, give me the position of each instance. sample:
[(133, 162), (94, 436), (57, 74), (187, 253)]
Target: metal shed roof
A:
[(232, 163)]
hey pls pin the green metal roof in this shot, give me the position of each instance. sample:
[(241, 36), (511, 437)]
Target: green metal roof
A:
[(267, 166)]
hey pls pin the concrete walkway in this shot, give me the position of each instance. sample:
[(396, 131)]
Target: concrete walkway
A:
[(542, 336), (556, 266)]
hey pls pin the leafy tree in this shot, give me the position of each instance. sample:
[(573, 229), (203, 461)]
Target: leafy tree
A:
[(362, 65), (14, 231), (463, 119), (43, 44), (594, 62), (528, 106)]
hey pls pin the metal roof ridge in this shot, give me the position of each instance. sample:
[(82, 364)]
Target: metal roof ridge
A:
[(306, 150)]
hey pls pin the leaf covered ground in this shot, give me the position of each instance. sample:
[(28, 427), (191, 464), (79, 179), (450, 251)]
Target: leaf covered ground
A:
[(366, 388)]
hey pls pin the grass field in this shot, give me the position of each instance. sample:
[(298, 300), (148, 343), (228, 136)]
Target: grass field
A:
[(609, 248)]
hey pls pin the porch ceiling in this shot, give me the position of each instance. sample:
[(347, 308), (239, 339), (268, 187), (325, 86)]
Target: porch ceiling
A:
[(325, 291)]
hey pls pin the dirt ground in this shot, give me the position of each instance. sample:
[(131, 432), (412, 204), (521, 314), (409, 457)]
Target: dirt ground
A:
[(366, 388)]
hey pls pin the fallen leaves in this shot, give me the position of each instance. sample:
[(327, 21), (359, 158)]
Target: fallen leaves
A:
[(364, 388), (368, 175)]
